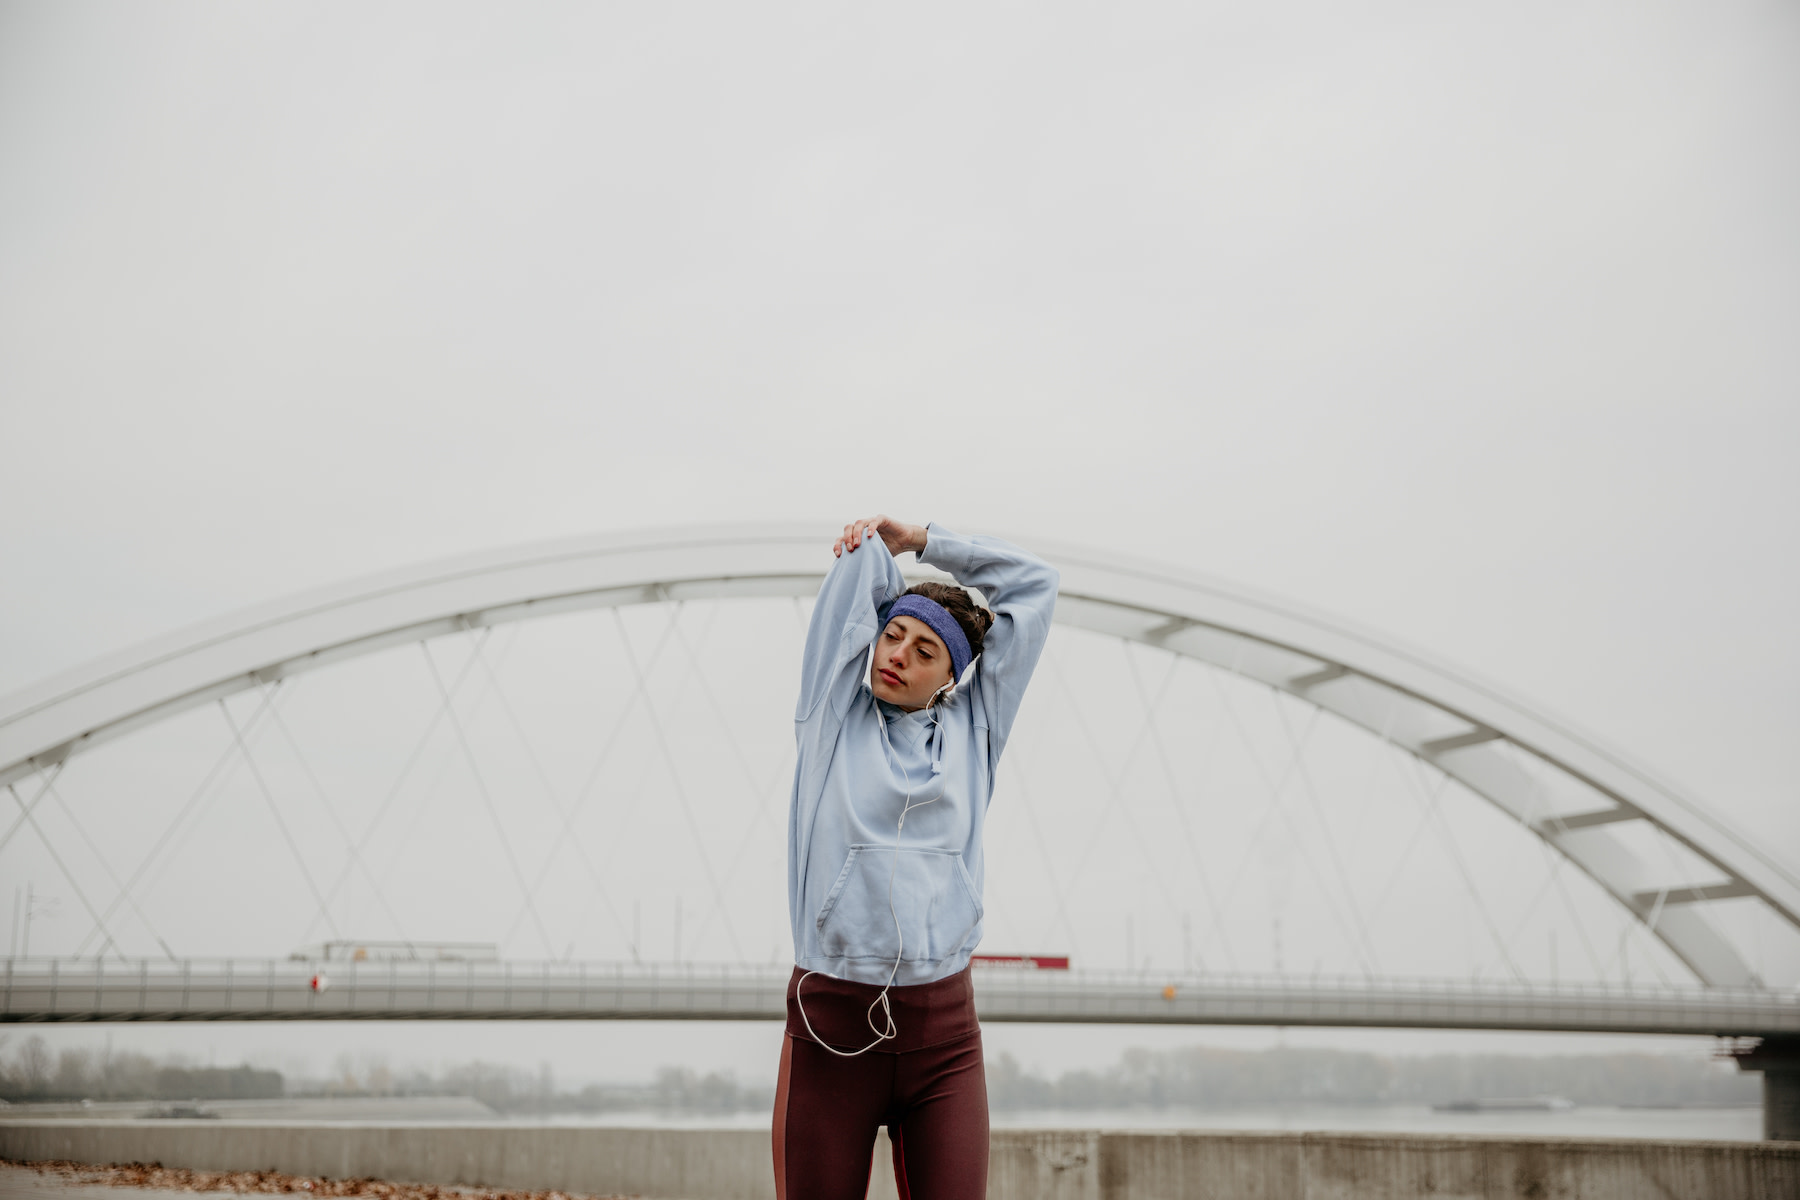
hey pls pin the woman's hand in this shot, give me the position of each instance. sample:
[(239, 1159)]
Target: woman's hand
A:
[(898, 536)]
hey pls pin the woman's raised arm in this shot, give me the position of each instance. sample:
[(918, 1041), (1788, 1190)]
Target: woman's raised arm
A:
[(844, 618), (1021, 589)]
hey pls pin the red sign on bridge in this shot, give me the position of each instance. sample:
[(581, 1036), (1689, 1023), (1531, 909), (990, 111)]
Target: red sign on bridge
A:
[(1022, 962)]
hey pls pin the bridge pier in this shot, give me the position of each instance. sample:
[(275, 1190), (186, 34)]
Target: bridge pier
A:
[(1778, 1058)]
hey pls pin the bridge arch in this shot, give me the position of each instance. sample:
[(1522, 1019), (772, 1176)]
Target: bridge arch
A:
[(1461, 725)]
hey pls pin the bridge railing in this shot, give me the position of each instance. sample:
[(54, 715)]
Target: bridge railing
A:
[(283, 989), (249, 989)]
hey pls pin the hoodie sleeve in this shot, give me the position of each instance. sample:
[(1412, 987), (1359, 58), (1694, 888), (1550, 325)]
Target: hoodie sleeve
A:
[(1021, 589), (842, 628)]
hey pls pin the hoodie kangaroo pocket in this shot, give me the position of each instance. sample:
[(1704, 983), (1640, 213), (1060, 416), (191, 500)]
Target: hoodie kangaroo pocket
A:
[(935, 908)]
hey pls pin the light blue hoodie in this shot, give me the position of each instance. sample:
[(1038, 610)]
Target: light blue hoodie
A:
[(851, 783)]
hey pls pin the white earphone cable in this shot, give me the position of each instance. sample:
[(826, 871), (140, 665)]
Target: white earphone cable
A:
[(890, 1031)]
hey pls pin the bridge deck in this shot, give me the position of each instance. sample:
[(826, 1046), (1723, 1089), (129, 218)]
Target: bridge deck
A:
[(253, 990)]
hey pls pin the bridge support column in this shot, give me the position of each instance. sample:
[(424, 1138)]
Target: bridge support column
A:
[(1778, 1058)]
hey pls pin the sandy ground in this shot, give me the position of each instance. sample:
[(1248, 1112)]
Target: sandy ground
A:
[(79, 1181)]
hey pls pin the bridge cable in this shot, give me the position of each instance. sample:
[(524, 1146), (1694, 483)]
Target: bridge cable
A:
[(687, 808), (1553, 859), (1649, 922), (356, 858), (43, 790), (759, 792), (1412, 841), (1310, 791), (1115, 789), (268, 798), (404, 838), (1016, 770), (593, 776), (31, 819), (219, 772), (487, 800), (1633, 928), (69, 812), (1175, 798), (224, 763), (1382, 751), (1562, 888), (1277, 786), (581, 796), (1215, 676), (640, 688), (550, 795), (1278, 808), (1441, 828)]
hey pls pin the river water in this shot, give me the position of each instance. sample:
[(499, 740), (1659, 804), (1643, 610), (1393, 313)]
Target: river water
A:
[(1711, 1124)]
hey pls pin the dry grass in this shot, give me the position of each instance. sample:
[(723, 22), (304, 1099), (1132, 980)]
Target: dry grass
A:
[(180, 1179)]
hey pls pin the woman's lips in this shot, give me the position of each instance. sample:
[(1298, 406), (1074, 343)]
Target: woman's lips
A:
[(889, 677)]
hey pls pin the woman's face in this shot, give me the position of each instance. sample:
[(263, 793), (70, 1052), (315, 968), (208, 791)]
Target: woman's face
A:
[(910, 665)]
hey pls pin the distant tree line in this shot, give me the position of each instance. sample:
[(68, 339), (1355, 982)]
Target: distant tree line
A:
[(1201, 1077), (520, 1091), (1197, 1077), (31, 1073), (517, 1091)]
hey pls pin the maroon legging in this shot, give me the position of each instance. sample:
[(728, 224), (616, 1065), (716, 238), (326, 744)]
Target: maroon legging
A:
[(927, 1086)]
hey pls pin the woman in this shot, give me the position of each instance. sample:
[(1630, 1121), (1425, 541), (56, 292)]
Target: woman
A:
[(906, 700)]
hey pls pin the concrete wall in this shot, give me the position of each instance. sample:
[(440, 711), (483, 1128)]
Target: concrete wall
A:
[(1078, 1165)]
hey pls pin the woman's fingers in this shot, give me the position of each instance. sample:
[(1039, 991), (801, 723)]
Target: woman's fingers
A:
[(865, 527)]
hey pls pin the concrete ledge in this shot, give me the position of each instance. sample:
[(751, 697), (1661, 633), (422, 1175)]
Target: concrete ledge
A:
[(1325, 1166), (683, 1164), (674, 1163)]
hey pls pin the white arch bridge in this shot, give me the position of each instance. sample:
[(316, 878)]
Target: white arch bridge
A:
[(1457, 728)]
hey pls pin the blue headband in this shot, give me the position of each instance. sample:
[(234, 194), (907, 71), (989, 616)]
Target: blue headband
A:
[(942, 623)]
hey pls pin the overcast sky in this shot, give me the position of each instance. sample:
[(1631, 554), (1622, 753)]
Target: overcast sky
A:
[(1476, 324)]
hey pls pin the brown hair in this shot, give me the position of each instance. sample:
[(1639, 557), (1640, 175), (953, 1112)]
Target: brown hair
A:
[(974, 619)]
